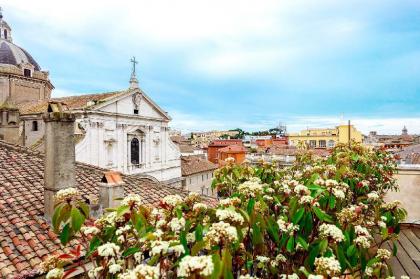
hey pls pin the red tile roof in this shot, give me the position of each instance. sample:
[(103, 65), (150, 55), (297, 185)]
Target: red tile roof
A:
[(73, 102), (232, 149), (25, 237), (195, 164)]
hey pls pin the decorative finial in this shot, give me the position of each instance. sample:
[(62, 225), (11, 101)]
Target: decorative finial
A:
[(133, 80)]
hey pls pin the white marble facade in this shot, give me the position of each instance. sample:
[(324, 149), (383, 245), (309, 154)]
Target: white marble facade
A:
[(130, 134)]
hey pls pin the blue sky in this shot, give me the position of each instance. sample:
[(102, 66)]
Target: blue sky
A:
[(227, 64)]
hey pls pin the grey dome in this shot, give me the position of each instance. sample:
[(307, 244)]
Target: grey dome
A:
[(13, 55)]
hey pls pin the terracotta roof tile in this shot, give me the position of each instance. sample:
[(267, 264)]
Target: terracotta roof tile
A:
[(195, 164), (73, 102), (25, 237)]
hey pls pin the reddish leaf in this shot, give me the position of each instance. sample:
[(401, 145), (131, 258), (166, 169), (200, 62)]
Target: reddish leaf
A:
[(68, 272)]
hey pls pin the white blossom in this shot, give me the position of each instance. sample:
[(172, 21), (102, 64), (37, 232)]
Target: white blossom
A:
[(177, 225), (200, 265), (229, 215), (132, 200), (221, 231), (55, 273), (108, 250), (114, 268), (67, 195), (327, 266), (331, 231)]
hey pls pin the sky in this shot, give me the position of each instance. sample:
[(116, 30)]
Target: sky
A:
[(225, 64)]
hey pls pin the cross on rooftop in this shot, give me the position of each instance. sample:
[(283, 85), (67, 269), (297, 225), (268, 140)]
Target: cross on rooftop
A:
[(134, 61)]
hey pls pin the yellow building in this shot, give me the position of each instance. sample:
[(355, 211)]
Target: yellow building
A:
[(326, 138)]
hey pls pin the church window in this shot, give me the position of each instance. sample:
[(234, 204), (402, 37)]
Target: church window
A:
[(34, 125), (5, 34), (135, 154), (136, 111), (27, 72)]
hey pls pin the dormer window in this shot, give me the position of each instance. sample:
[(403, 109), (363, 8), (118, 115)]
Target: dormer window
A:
[(27, 72)]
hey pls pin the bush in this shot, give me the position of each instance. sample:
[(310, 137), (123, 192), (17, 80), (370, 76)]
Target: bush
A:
[(315, 219)]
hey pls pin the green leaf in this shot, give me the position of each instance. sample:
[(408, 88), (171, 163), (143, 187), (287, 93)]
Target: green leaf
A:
[(199, 232), (250, 206), (257, 237), (298, 215), (341, 258), (290, 244), (323, 245), (85, 209), (122, 210), (54, 222), (322, 215), (227, 264), (302, 242), (351, 251), (332, 201), (312, 255), (217, 267), (65, 234), (94, 243), (197, 247), (130, 251), (183, 240), (77, 219)]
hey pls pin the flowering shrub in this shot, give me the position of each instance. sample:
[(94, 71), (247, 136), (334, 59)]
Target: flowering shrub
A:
[(315, 219)]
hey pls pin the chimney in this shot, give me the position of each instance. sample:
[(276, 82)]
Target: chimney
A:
[(59, 168), (111, 189)]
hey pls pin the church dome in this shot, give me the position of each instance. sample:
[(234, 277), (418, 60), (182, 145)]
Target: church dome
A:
[(13, 55), (9, 52)]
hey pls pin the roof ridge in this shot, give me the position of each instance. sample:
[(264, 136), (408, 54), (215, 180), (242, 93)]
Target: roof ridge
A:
[(91, 94), (20, 148)]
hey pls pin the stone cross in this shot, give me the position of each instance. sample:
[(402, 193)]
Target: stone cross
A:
[(134, 61)]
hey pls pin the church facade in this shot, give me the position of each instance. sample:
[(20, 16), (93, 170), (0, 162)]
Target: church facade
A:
[(124, 131)]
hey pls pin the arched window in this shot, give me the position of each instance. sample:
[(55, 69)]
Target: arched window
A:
[(5, 34), (34, 125), (135, 151)]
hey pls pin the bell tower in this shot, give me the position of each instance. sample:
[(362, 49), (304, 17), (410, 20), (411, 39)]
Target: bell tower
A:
[(5, 30)]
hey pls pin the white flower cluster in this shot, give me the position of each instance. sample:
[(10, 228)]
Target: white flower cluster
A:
[(177, 225), (143, 271), (289, 276), (113, 268), (109, 219), (383, 254), (332, 232), (230, 216), (123, 230), (339, 194), (331, 183), (312, 276), (286, 227), (301, 190), (198, 265), (251, 188), (95, 272), (178, 250), (108, 250), (132, 200), (372, 196), (306, 200), (55, 273), (221, 231), (230, 201), (363, 238), (89, 230), (172, 200), (230, 160), (159, 247), (67, 195), (200, 207), (327, 266), (392, 205), (262, 259)]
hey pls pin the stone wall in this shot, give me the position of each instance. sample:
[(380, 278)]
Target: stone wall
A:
[(409, 180), (200, 183)]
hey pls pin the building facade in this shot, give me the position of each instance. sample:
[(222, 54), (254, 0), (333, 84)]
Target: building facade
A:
[(326, 138), (197, 174)]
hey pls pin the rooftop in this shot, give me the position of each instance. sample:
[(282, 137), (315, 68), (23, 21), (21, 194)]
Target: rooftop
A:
[(195, 164), (25, 237)]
